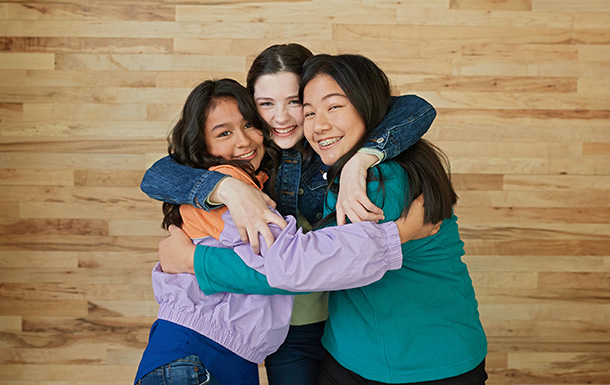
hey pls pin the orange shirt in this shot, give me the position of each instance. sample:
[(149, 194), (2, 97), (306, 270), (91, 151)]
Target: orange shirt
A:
[(198, 223)]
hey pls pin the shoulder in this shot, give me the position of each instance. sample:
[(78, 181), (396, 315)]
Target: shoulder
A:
[(234, 172), (410, 104), (388, 188), (198, 223), (391, 173)]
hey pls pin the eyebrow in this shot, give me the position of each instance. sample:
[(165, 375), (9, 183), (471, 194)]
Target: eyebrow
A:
[(221, 125), (268, 98), (326, 97)]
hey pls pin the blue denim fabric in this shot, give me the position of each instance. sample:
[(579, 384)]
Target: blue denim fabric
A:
[(299, 185), (171, 182), (185, 371)]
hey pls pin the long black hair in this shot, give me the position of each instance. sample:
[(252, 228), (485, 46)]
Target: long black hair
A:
[(186, 141), (368, 89)]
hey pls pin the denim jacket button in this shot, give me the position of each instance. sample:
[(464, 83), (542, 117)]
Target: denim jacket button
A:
[(324, 176), (380, 140), (319, 215), (301, 191)]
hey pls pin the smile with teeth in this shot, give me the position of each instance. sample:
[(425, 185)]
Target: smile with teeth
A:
[(247, 155), (284, 130), (328, 142)]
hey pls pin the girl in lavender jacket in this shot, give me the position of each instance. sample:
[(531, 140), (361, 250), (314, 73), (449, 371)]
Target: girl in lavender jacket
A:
[(220, 338)]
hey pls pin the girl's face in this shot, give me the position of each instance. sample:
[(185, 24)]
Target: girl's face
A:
[(277, 100), (230, 136), (332, 124)]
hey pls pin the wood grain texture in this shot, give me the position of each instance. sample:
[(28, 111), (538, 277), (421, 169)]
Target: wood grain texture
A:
[(89, 90)]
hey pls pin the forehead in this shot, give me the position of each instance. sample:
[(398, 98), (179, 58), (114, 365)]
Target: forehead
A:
[(276, 84), (321, 87), (223, 110)]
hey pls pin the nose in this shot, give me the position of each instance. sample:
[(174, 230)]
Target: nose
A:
[(242, 139), (281, 115), (321, 123)]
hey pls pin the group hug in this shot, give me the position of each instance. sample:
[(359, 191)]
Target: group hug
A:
[(312, 229)]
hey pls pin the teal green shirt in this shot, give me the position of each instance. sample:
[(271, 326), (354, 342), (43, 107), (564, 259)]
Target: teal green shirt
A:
[(418, 323)]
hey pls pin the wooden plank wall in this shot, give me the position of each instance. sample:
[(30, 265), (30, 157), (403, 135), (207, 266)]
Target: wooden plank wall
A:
[(89, 89)]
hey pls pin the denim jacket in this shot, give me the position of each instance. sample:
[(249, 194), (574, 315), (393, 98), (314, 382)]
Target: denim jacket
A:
[(299, 185)]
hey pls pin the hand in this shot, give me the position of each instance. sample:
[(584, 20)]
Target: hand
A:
[(412, 226), (176, 252), (352, 199), (249, 210)]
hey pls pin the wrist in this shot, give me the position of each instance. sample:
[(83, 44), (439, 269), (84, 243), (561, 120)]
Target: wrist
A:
[(371, 155), (364, 160), (219, 195), (190, 264)]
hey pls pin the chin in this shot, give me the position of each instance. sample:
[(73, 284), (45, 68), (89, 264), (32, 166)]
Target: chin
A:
[(328, 161), (285, 143)]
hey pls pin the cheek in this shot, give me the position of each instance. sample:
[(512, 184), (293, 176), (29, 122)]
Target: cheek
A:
[(308, 129), (257, 137), (266, 114), (224, 150), (297, 115)]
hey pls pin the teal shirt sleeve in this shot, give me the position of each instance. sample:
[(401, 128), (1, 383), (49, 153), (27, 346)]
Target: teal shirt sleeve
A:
[(231, 274)]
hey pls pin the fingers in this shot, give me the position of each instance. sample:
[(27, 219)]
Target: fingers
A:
[(267, 236), (436, 228), (419, 201), (277, 220), (243, 234), (340, 216), (359, 211), (269, 201), (369, 206), (253, 237)]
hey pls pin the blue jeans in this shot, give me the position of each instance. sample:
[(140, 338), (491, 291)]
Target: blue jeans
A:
[(298, 360), (185, 371)]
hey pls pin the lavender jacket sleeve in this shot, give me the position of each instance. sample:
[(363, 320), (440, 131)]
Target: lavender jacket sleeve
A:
[(332, 258)]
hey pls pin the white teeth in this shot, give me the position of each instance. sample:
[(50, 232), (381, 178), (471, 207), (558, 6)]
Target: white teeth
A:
[(284, 131), (244, 156), (328, 142)]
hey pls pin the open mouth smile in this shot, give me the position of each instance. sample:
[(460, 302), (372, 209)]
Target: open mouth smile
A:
[(328, 142), (246, 156), (284, 130)]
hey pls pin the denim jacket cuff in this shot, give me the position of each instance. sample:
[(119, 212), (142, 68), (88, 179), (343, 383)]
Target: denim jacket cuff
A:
[(198, 198), (380, 155)]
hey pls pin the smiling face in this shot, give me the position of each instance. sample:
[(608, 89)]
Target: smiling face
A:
[(230, 136), (332, 125), (277, 101)]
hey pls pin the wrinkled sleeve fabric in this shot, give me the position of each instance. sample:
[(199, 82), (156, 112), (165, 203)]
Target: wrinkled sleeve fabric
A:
[(332, 258), (171, 182), (408, 120), (222, 270)]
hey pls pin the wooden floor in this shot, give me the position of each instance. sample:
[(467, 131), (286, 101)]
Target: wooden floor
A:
[(89, 89)]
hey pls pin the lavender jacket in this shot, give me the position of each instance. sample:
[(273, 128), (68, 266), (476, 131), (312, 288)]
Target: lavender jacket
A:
[(254, 326)]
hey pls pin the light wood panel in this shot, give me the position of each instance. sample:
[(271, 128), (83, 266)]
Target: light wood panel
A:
[(89, 90)]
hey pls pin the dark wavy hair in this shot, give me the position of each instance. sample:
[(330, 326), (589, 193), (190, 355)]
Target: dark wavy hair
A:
[(368, 89), (186, 141), (276, 59)]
